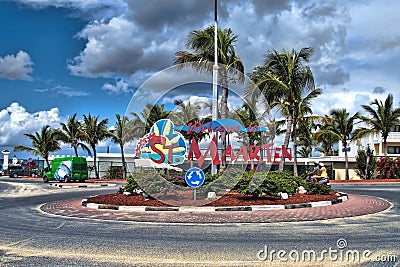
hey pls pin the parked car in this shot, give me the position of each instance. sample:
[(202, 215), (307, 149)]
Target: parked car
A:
[(20, 170)]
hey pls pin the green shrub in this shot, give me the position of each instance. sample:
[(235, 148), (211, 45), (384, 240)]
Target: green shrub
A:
[(131, 184), (278, 182), (220, 182), (268, 183), (114, 172), (316, 188), (177, 178), (387, 168), (244, 182), (361, 160)]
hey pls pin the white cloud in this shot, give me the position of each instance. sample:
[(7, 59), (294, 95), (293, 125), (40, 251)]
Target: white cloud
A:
[(62, 90), (16, 121), (120, 87), (120, 47), (356, 42), (87, 9), (16, 67)]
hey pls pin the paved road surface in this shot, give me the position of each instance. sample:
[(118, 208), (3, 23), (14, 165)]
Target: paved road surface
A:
[(29, 237)]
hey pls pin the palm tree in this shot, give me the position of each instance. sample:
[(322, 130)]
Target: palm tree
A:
[(72, 133), (274, 128), (43, 143), (304, 134), (302, 116), (187, 112), (302, 120), (94, 131), (136, 127), (284, 78), (202, 43), (381, 119), (249, 116), (326, 138), (341, 127), (121, 136), (151, 114)]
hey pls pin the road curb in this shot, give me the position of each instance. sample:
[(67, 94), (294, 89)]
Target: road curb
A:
[(341, 199), (80, 186)]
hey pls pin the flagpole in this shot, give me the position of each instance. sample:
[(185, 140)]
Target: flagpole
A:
[(215, 79)]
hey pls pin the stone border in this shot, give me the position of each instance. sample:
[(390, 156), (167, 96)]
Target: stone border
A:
[(341, 199), (80, 186)]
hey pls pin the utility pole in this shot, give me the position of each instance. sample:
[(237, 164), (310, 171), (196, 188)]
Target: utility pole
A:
[(215, 79)]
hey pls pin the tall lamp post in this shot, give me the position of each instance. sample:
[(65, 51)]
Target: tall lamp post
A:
[(215, 79)]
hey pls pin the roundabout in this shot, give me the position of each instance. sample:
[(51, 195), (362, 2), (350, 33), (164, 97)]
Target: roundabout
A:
[(48, 225), (355, 205)]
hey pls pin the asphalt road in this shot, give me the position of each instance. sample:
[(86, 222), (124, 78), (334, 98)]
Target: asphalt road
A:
[(29, 237)]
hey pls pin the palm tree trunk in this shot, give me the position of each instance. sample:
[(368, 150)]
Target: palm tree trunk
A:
[(385, 147), (287, 138), (224, 113), (47, 161), (123, 162), (95, 163), (295, 172), (76, 151)]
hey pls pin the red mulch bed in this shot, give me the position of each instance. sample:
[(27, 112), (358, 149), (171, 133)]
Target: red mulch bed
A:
[(230, 199)]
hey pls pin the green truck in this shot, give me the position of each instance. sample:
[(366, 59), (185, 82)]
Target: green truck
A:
[(66, 169)]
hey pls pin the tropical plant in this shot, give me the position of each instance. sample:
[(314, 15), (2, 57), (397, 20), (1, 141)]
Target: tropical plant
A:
[(302, 120), (387, 168), (94, 131), (284, 78), (365, 165), (274, 129), (136, 127), (186, 113), (189, 113), (151, 114), (248, 116), (202, 43), (121, 136), (71, 133), (325, 138), (382, 118), (304, 133), (43, 143), (342, 128), (275, 182)]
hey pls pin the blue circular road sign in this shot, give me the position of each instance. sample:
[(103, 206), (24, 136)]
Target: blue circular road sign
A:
[(195, 177)]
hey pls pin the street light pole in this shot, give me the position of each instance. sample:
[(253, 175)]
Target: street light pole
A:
[(215, 79)]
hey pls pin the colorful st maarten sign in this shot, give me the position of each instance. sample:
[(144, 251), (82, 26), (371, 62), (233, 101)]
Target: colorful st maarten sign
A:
[(164, 144)]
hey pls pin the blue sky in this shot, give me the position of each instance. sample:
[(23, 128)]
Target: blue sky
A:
[(48, 36), (58, 57)]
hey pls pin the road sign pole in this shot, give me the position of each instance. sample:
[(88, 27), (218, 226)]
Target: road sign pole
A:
[(194, 178)]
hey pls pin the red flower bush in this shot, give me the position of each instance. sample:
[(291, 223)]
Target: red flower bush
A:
[(387, 168)]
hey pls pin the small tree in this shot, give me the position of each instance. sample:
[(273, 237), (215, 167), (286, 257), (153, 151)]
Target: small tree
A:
[(121, 136), (94, 131), (43, 143), (363, 169), (71, 133)]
